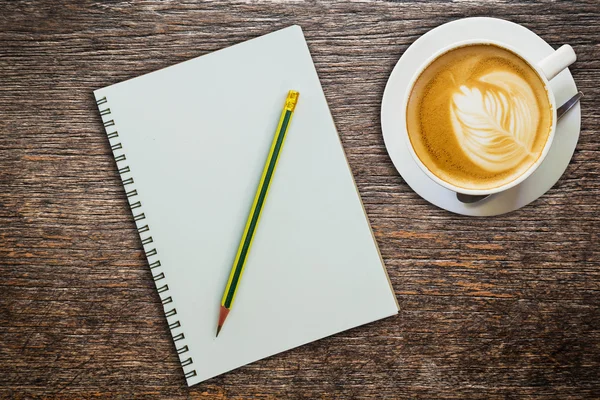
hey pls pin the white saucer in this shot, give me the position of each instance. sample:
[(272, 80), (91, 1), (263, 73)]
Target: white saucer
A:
[(517, 36)]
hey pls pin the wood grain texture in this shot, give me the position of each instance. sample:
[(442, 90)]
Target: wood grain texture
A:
[(497, 308)]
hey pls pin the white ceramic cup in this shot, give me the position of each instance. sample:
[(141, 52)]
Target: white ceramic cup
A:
[(546, 69)]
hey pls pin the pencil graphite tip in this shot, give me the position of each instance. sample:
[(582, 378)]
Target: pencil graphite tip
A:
[(222, 316)]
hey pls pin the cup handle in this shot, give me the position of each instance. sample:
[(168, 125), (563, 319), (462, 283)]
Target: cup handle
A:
[(557, 61)]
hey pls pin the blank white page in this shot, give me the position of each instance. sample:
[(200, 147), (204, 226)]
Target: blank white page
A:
[(195, 137)]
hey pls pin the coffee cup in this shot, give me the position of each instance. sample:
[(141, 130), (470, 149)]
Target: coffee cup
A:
[(481, 127)]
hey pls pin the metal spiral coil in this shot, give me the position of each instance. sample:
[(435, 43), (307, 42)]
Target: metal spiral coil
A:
[(158, 275)]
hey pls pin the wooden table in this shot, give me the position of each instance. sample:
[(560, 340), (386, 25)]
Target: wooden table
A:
[(505, 307)]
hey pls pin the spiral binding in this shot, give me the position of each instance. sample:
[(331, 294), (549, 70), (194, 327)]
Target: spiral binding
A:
[(143, 229)]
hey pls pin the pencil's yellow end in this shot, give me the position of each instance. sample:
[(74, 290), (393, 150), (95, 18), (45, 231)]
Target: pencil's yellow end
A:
[(292, 99)]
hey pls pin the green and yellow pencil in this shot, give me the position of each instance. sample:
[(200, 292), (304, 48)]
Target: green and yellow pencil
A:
[(259, 200)]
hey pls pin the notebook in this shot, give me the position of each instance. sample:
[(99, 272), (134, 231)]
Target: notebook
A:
[(190, 142)]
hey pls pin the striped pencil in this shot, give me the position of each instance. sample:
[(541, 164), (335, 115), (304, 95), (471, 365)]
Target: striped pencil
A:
[(259, 200)]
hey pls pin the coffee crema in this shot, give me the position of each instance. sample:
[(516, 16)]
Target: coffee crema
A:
[(479, 116)]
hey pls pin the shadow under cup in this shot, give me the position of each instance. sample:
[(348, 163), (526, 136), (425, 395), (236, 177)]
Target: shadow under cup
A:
[(479, 117)]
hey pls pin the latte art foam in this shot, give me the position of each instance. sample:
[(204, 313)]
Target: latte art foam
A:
[(495, 123), (478, 117)]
